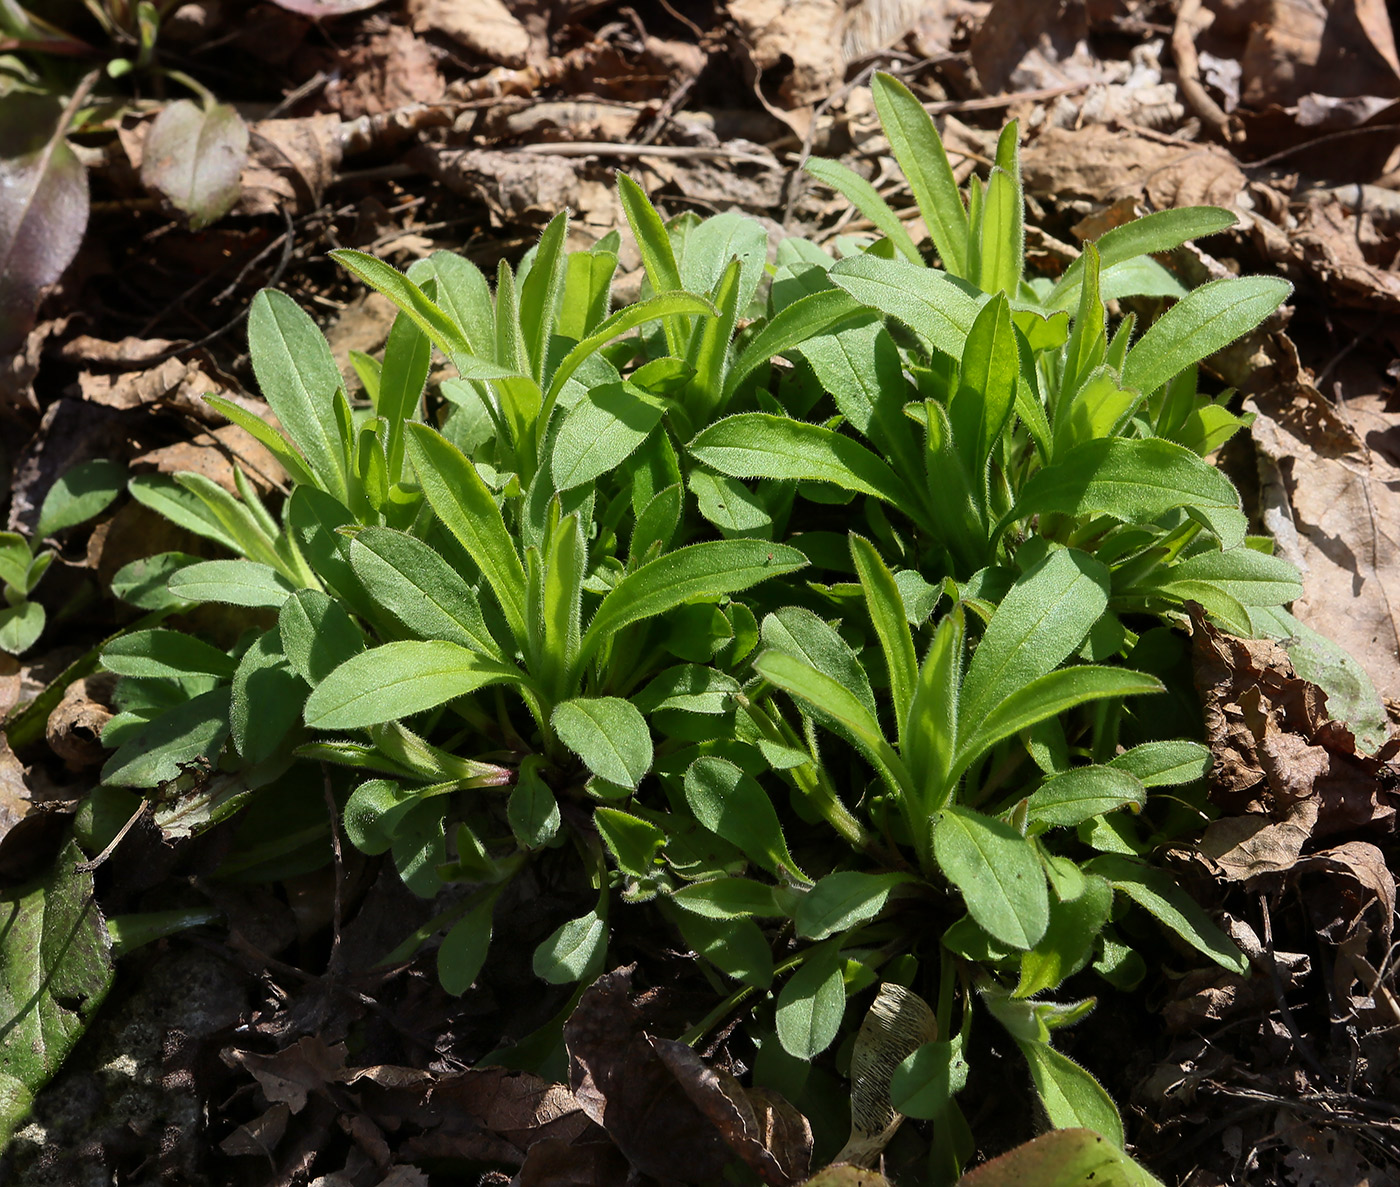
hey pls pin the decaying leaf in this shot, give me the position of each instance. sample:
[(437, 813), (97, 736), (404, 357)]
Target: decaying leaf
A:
[(43, 212), (486, 27), (670, 1115), (1277, 753), (193, 156), (290, 164), (318, 9)]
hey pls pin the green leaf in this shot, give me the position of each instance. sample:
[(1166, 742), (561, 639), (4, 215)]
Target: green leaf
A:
[(407, 357), (1062, 1158), (633, 842), (237, 583), (844, 900), (463, 294), (1081, 794), (419, 847), (1071, 1096), (737, 947), (572, 951), (1040, 622), (929, 302), (276, 443), (758, 445), (418, 587), (267, 699), (317, 635), (831, 702), (924, 1083), (55, 971), (249, 525), (1250, 577), (587, 290), (193, 731), (166, 497), (299, 379), (144, 582), (730, 505), (15, 560), (1155, 891), (919, 150), (882, 599), (20, 627), (689, 688), (1134, 482), (1204, 321), (540, 292), (706, 570), (82, 493), (165, 653), (986, 393), (397, 680), (1157, 232), (372, 814), (444, 333), (1164, 764), (658, 258), (733, 806), (1003, 242), (800, 633), (1048, 696), (462, 501), (1069, 939), (532, 810), (791, 327), (865, 198), (730, 898), (812, 1004), (930, 732), (601, 431), (464, 948), (998, 873), (609, 734)]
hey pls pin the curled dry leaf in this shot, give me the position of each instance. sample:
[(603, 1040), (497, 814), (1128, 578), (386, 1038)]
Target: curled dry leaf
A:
[(486, 27), (807, 34), (1337, 513), (193, 156), (290, 164), (1277, 753), (74, 729), (670, 1115), (516, 187), (43, 214)]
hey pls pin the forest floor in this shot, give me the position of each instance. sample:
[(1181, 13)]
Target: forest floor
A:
[(401, 127)]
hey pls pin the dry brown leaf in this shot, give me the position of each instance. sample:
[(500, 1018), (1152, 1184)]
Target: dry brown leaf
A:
[(392, 69), (1345, 508), (290, 164), (486, 27), (1275, 749), (1359, 877), (74, 728), (804, 37), (14, 792), (1105, 165), (213, 455), (259, 1136), (174, 382), (564, 119), (128, 352), (1026, 45), (516, 187)]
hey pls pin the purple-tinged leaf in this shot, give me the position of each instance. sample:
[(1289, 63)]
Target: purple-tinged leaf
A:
[(317, 9), (194, 156), (43, 214)]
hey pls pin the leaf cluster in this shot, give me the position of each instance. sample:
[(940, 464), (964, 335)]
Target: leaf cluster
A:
[(823, 606)]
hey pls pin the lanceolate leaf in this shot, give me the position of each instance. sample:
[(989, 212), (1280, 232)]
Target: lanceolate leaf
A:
[(1079, 794), (160, 652), (398, 680), (466, 507), (238, 583), (299, 379), (1071, 1096), (698, 570), (844, 900), (1041, 621), (609, 734), (812, 1004), (865, 198), (758, 445), (1202, 322), (806, 318), (413, 582), (929, 302), (998, 873), (1135, 482), (601, 431), (733, 806), (919, 151)]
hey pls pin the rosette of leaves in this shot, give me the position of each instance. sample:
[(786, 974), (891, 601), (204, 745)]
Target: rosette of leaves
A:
[(462, 604)]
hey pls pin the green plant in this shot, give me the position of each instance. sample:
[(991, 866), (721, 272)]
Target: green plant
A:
[(82, 493), (836, 666)]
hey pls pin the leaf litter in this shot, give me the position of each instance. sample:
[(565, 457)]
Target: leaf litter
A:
[(469, 122)]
